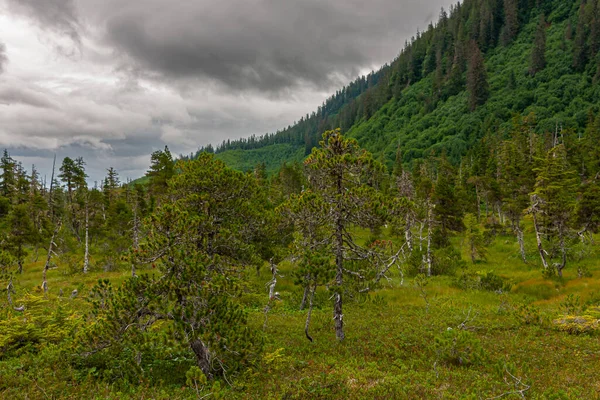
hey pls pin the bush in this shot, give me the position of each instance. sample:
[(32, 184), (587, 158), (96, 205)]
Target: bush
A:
[(487, 281), (458, 347), (575, 324), (446, 261)]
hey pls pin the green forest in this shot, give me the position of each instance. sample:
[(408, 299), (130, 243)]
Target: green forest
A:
[(431, 231)]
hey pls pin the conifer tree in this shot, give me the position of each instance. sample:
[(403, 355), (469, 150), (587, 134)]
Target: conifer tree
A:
[(580, 44), (196, 245), (8, 184), (477, 84), (474, 238), (161, 170), (554, 200), (338, 172), (538, 54), (511, 20), (20, 234)]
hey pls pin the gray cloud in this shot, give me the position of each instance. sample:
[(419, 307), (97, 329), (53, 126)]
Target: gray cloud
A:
[(3, 57), (59, 16), (265, 45), (179, 72)]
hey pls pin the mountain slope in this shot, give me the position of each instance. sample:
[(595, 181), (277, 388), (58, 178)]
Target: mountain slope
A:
[(420, 101)]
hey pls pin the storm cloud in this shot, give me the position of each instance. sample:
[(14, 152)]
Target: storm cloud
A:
[(113, 80)]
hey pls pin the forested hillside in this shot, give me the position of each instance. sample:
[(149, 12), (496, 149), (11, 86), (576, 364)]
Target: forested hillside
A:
[(459, 260), (539, 57)]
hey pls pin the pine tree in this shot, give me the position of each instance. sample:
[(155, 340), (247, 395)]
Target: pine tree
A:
[(338, 172), (474, 238), (161, 170), (72, 174), (595, 28), (554, 199), (511, 20), (7, 165), (580, 45), (195, 245), (477, 84), (21, 233), (538, 54)]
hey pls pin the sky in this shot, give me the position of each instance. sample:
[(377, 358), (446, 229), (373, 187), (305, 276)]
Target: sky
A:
[(112, 80)]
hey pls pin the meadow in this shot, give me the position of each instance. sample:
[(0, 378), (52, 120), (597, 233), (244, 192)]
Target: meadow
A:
[(411, 338)]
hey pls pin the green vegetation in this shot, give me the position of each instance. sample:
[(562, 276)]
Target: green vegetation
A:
[(462, 264)]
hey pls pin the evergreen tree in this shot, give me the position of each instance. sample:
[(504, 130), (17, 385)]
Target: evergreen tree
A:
[(8, 184), (511, 20), (72, 174), (477, 84), (580, 45), (20, 234), (554, 198), (538, 54), (338, 172), (161, 170), (474, 238)]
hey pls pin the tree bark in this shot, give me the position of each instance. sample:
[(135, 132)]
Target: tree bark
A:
[(339, 262), (305, 296), (136, 237), (86, 257), (519, 232), (203, 357), (429, 234), (310, 308), (538, 239), (49, 257), (408, 233)]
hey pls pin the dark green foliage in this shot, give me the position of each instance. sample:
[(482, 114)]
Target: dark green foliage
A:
[(459, 347), (162, 168), (477, 84), (580, 51), (538, 53)]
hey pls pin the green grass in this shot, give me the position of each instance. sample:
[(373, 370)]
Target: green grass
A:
[(390, 350)]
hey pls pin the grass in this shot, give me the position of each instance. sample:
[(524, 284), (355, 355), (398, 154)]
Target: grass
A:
[(395, 346)]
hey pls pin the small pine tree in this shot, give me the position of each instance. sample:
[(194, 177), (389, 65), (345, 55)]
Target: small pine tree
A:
[(474, 238)]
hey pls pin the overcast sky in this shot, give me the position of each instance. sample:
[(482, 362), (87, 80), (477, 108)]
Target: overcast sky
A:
[(114, 80)]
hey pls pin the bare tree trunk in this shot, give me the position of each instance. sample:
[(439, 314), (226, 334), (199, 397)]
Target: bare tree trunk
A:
[(136, 236), (339, 262), (563, 251), (519, 233), (478, 202), (305, 295), (86, 257), (339, 280), (9, 291), (422, 225), (538, 239), (408, 233), (429, 234), (310, 308), (49, 257), (203, 357)]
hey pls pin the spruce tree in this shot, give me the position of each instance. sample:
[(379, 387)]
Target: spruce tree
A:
[(340, 198), (580, 44), (554, 199), (538, 54), (477, 84), (511, 20)]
